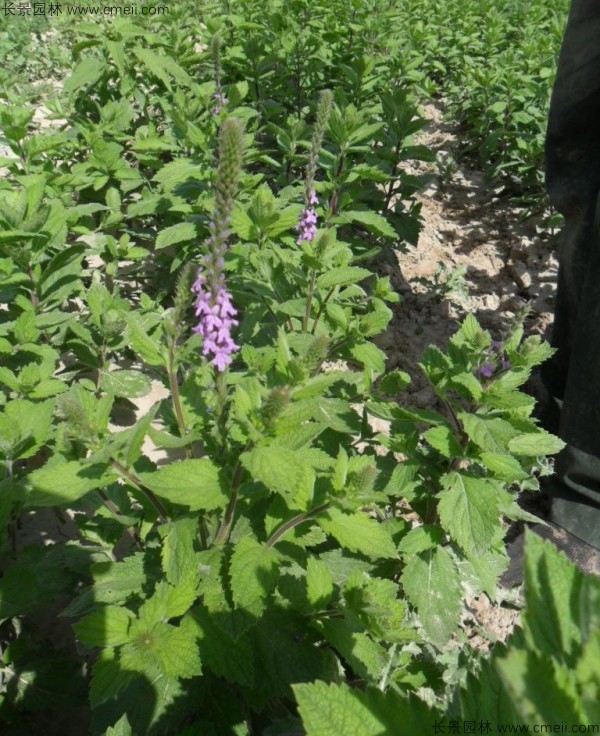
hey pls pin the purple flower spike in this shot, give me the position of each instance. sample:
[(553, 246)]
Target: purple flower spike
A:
[(214, 308), (221, 101), (505, 364), (308, 221), (216, 313)]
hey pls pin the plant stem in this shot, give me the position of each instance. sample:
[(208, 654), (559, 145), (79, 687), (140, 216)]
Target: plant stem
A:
[(115, 511), (390, 192), (175, 396), (221, 383), (225, 529), (309, 298), (137, 483), (284, 528), (322, 308), (13, 516)]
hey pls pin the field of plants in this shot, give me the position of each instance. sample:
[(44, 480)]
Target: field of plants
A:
[(222, 509)]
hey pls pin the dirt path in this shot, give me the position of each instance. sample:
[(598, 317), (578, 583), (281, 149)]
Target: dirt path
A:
[(475, 254)]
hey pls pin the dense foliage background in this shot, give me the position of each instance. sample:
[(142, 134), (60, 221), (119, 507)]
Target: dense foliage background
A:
[(279, 545)]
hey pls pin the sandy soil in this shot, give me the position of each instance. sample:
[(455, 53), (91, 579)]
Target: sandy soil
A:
[(466, 229)]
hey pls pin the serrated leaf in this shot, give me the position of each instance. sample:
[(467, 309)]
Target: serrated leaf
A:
[(542, 690), (358, 533), (283, 471), (342, 276), (319, 583), (126, 383), (106, 627), (443, 440), (177, 556), (179, 233), (172, 650), (108, 678), (420, 539), (162, 66), (503, 467), (553, 593), (373, 222), (469, 511), (253, 572), (328, 709), (491, 435), (432, 585), (60, 484), (148, 348), (87, 72), (226, 657), (535, 444), (121, 728), (369, 355), (366, 657), (193, 483)]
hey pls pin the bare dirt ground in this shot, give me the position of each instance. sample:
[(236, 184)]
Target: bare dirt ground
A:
[(475, 254)]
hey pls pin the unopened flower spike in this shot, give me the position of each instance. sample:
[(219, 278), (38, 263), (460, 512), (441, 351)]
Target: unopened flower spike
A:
[(308, 221), (219, 95), (214, 305)]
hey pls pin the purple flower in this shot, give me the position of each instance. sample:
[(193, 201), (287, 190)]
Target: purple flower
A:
[(505, 364), (221, 101), (487, 369), (216, 313), (308, 222), (213, 305)]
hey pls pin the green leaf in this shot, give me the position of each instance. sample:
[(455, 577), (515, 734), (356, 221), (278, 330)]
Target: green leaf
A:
[(342, 276), (484, 696), (193, 483), (226, 657), (319, 583), (555, 597), (121, 728), (148, 348), (432, 584), (542, 690), (283, 471), (126, 383), (172, 650), (328, 709), (394, 382), (503, 467), (359, 533), (369, 355), (535, 444), (443, 440), (86, 73), (373, 222), (253, 572), (60, 484), (178, 557), (491, 435), (175, 234), (161, 66), (469, 511), (106, 627), (108, 678), (421, 538), (366, 658)]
